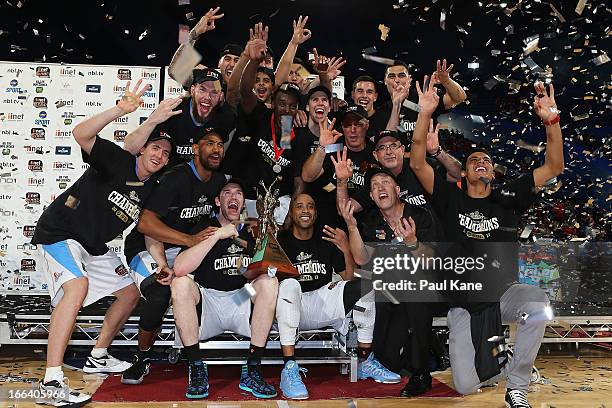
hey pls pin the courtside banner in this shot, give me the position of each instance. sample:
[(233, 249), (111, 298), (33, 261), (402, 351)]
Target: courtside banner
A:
[(40, 104)]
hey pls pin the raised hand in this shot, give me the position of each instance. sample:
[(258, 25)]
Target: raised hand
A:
[(428, 98), (207, 22), (406, 230), (343, 166), (338, 237), (300, 33), (256, 47), (329, 67), (433, 142), (400, 93), (165, 110), (132, 98), (442, 74), (544, 102), (327, 134), (346, 210)]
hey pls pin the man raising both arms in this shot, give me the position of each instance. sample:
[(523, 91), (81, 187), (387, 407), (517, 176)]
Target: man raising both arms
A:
[(481, 215)]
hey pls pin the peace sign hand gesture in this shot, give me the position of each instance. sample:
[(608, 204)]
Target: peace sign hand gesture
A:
[(544, 102)]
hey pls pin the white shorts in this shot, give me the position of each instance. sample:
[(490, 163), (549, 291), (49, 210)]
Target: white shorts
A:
[(324, 307), (67, 260), (143, 265), (280, 212), (224, 311)]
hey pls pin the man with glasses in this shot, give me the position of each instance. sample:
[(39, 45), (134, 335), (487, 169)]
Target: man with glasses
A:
[(319, 170)]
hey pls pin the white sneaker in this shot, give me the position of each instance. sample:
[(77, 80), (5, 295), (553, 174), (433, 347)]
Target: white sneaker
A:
[(60, 395), (106, 364)]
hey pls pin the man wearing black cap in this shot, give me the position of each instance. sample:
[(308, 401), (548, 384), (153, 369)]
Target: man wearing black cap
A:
[(203, 109), (475, 218), (319, 169), (402, 331), (230, 54), (216, 299), (72, 234), (185, 196)]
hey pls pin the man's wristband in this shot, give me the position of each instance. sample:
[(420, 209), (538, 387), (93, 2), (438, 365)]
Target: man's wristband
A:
[(413, 246), (553, 121), (322, 147), (437, 153), (341, 181)]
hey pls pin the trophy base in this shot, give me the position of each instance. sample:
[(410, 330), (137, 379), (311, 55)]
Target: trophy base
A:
[(261, 268)]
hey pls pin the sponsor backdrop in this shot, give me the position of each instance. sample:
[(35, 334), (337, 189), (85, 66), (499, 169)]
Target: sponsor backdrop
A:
[(40, 104)]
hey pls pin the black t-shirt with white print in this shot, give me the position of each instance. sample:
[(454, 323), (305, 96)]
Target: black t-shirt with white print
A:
[(258, 152), (323, 189), (100, 205), (304, 144), (494, 218), (220, 269), (315, 259), (181, 200), (374, 228), (184, 128)]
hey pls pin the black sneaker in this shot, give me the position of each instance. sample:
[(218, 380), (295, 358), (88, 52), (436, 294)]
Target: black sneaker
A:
[(60, 395), (198, 380), (516, 399), (417, 385), (136, 373), (252, 380)]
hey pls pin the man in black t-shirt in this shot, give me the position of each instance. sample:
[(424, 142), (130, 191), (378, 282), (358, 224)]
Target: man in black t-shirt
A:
[(212, 302), (389, 153), (184, 197), (365, 94), (313, 301), (402, 332), (401, 112), (72, 234), (319, 169), (479, 215), (203, 109), (266, 151)]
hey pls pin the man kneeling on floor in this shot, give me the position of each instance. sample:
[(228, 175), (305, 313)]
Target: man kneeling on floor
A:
[(212, 301), (315, 301)]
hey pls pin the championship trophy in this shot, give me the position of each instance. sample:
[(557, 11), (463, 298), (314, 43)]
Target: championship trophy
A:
[(269, 257)]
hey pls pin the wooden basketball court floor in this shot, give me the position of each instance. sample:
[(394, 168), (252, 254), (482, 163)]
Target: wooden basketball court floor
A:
[(572, 379)]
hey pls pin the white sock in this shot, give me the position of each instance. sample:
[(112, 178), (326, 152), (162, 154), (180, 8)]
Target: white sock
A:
[(99, 352), (53, 373)]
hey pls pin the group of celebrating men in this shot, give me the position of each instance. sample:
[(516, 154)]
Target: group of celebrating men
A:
[(245, 123)]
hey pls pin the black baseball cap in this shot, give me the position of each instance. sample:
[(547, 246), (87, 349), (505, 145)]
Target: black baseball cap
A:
[(203, 75), (233, 49), (320, 88), (399, 136), (161, 135), (268, 72), (374, 170), (209, 131), (289, 88), (356, 110)]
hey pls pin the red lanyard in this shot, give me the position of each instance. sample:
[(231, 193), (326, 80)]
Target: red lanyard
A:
[(277, 151)]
